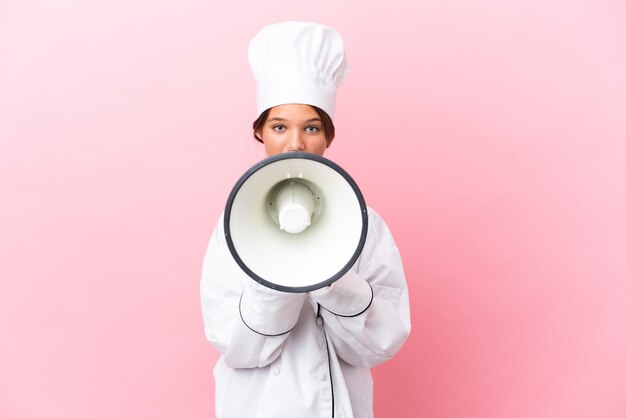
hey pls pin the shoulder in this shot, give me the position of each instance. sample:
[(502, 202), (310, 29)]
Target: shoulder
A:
[(376, 223), (377, 229), (373, 215)]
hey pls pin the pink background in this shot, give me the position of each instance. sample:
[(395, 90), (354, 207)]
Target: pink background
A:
[(490, 135)]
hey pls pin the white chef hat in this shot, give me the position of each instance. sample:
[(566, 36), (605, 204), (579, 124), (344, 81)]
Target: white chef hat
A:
[(297, 62)]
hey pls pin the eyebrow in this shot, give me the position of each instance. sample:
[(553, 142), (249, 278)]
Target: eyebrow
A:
[(279, 119)]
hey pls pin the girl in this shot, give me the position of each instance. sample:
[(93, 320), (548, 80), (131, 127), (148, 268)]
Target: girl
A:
[(304, 355)]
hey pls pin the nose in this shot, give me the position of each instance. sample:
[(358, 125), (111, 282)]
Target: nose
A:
[(295, 141)]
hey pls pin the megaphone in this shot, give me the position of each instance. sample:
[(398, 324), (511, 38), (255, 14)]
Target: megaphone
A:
[(295, 222)]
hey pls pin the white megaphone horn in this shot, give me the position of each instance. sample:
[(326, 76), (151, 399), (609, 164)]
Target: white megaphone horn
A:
[(295, 222)]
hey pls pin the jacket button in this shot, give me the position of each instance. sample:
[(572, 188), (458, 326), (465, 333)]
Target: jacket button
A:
[(323, 377), (319, 321), (276, 371)]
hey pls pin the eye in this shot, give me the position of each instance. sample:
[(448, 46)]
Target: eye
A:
[(278, 128), (312, 129)]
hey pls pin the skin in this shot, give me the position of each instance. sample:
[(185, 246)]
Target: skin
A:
[(293, 127)]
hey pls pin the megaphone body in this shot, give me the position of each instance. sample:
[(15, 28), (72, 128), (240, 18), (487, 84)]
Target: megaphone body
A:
[(295, 222)]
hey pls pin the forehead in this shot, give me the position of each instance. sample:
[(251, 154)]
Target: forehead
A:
[(293, 112)]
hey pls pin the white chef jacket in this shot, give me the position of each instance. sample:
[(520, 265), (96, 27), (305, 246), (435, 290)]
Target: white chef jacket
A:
[(304, 355)]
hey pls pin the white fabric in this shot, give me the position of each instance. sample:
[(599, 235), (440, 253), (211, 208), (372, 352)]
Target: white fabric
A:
[(297, 62), (280, 358)]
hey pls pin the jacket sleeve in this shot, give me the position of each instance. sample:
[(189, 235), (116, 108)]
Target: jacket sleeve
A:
[(366, 311), (247, 322)]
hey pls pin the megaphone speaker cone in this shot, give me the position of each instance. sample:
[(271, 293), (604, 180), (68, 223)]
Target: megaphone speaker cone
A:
[(295, 222)]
